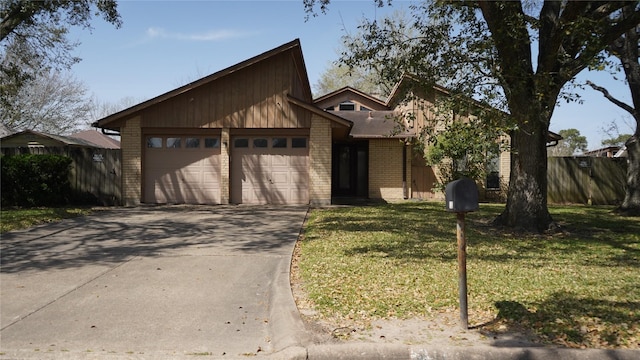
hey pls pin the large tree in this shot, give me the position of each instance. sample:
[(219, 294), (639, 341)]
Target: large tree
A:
[(485, 49), (33, 35), (625, 48)]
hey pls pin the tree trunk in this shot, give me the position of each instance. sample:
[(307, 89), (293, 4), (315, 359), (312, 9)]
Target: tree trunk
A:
[(526, 207), (631, 203)]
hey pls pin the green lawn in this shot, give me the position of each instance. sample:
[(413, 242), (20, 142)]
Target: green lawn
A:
[(14, 219), (578, 287)]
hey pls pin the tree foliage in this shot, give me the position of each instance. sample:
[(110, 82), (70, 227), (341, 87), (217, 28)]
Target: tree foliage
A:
[(365, 77), (616, 141), (338, 76), (33, 35), (571, 144), (461, 148), (484, 49)]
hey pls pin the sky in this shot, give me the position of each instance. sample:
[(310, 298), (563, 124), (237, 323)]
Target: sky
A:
[(165, 44)]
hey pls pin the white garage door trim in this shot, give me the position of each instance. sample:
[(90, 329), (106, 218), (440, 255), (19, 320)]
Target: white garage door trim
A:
[(270, 170), (182, 169)]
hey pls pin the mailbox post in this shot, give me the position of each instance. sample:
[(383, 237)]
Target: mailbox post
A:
[(461, 196)]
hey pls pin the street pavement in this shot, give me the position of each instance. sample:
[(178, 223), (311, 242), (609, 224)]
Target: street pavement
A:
[(151, 282)]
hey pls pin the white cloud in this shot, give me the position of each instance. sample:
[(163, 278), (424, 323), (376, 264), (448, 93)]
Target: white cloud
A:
[(211, 35)]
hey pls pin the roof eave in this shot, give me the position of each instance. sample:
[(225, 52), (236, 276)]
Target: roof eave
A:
[(318, 111)]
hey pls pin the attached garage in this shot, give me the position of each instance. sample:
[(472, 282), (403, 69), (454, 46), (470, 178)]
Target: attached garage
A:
[(270, 170), (182, 169), (248, 134)]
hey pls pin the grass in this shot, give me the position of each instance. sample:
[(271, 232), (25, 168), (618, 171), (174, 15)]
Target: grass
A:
[(577, 287), (17, 218)]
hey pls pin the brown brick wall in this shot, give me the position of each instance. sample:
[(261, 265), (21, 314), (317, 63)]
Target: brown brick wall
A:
[(225, 166), (131, 144), (319, 162), (385, 169)]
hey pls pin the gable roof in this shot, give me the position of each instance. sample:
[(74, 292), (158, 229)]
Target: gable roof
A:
[(316, 110), (97, 138), (351, 93), (26, 137), (293, 47)]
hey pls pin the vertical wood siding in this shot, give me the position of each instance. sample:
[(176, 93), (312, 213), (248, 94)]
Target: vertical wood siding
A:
[(253, 97)]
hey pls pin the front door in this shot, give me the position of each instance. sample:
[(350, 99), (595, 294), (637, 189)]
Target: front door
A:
[(350, 169)]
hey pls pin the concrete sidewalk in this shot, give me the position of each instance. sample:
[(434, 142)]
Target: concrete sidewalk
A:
[(158, 282), (360, 351)]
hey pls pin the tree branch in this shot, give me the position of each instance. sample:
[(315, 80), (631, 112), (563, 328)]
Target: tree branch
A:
[(609, 97)]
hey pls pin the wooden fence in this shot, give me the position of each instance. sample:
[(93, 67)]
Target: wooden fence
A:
[(94, 172), (586, 180)]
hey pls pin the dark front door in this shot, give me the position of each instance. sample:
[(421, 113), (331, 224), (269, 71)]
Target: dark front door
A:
[(350, 169)]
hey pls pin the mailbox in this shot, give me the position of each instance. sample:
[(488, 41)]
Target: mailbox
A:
[(461, 196)]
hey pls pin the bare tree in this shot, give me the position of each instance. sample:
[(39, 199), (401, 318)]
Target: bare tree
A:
[(54, 102)]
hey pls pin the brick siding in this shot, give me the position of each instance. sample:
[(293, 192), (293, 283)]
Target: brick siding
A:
[(385, 169), (319, 162), (131, 144)]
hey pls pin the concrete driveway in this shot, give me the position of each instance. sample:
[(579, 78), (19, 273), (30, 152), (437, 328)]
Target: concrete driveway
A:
[(152, 282)]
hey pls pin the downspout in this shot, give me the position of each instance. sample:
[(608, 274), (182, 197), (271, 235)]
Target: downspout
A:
[(404, 170)]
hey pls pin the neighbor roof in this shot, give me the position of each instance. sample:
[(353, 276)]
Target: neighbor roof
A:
[(62, 140), (97, 138), (353, 93)]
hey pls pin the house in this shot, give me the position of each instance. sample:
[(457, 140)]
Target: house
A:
[(253, 134), (609, 151), (29, 141)]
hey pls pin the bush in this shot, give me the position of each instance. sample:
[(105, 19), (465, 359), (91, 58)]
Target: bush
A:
[(35, 180)]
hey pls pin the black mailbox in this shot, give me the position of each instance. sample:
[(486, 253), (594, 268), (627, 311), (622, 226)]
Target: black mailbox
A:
[(461, 196)]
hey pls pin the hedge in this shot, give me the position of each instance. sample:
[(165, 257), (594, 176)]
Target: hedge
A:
[(35, 180)]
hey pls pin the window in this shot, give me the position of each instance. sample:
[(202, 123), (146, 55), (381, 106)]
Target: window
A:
[(299, 143), (260, 143), (493, 172), (173, 142), (362, 108), (154, 142), (210, 143), (241, 143), (493, 180), (347, 106), (192, 143), (279, 142)]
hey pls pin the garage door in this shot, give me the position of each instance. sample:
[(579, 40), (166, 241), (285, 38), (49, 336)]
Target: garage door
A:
[(270, 170), (182, 169)]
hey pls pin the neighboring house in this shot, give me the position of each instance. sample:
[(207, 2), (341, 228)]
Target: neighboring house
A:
[(29, 141), (95, 159), (253, 134), (609, 151)]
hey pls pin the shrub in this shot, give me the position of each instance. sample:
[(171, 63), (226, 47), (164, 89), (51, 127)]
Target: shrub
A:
[(35, 180)]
